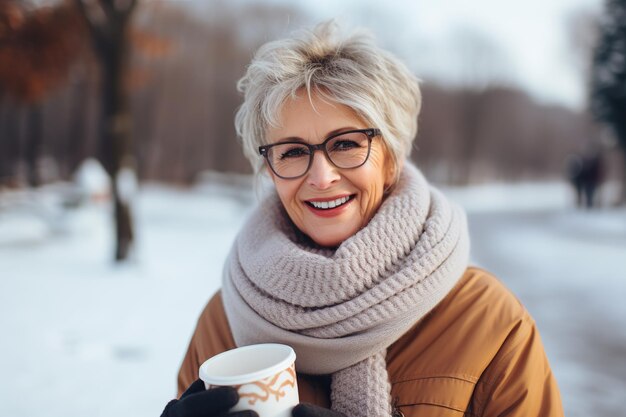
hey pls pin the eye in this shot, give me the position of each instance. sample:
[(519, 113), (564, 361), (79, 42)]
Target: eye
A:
[(293, 152), (344, 145)]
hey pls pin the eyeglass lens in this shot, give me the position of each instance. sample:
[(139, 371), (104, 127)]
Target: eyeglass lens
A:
[(349, 150)]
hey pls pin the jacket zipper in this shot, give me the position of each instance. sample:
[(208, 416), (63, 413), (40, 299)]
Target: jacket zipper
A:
[(395, 411)]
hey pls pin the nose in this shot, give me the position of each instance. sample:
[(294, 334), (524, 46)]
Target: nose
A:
[(323, 173)]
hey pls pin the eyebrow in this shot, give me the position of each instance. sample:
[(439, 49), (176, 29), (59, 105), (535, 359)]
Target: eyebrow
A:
[(329, 134)]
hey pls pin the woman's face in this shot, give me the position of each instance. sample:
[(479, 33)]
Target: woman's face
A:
[(364, 186)]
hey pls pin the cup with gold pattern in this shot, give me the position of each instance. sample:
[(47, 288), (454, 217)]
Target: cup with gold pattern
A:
[(263, 374)]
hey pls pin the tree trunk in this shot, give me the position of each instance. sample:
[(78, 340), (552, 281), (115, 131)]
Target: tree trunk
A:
[(123, 221), (75, 144), (115, 145), (619, 129), (111, 43), (622, 198), (471, 102), (34, 143), (8, 144)]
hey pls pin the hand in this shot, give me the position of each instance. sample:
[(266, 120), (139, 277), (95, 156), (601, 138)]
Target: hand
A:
[(310, 410), (199, 402)]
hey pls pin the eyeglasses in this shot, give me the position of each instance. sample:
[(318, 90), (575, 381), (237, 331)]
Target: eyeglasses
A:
[(350, 149)]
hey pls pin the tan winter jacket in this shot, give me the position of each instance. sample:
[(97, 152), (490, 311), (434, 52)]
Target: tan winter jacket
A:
[(478, 353)]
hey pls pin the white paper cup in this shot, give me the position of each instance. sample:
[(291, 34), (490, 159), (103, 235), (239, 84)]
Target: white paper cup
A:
[(264, 375)]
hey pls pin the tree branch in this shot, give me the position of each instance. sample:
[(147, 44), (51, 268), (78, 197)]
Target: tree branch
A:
[(109, 9), (132, 5), (125, 13), (95, 31)]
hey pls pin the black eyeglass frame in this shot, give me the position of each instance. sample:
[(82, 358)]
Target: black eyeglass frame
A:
[(371, 133)]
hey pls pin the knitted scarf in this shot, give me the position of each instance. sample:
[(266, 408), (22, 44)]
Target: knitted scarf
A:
[(340, 309)]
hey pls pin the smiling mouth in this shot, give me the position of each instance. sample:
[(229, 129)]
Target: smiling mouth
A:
[(330, 204)]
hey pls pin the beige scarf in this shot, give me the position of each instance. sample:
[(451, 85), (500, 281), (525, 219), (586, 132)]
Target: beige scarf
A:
[(340, 309)]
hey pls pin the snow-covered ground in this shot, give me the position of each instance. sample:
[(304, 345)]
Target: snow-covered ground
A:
[(81, 337)]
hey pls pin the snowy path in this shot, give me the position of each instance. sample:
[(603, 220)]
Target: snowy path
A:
[(79, 337), (569, 269)]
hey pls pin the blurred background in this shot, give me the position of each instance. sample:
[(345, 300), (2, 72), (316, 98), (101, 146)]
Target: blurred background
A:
[(122, 183)]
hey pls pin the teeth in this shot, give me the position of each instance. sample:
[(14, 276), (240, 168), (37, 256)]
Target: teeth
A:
[(330, 204)]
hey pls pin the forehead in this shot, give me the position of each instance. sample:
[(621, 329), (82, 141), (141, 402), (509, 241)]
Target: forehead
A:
[(312, 118)]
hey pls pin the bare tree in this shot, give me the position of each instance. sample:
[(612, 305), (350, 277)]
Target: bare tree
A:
[(108, 22), (513, 136), (182, 104), (38, 48), (482, 65)]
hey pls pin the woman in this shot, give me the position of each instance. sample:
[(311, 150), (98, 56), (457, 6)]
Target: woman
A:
[(354, 260)]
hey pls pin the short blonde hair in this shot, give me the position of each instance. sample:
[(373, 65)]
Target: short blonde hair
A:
[(352, 71)]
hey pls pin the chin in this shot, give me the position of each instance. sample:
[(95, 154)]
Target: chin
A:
[(332, 239), (327, 242)]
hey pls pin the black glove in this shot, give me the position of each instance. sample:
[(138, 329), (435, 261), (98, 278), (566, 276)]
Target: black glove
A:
[(310, 410), (199, 402)]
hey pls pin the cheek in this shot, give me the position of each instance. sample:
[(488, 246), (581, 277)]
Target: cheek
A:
[(373, 195), (288, 194), (372, 188), (285, 194), (285, 189), (379, 173)]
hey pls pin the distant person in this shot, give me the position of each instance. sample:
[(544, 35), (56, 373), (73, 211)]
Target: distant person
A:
[(354, 260), (592, 176), (574, 166), (585, 173)]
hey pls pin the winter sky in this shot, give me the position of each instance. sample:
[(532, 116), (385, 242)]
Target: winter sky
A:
[(526, 42)]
